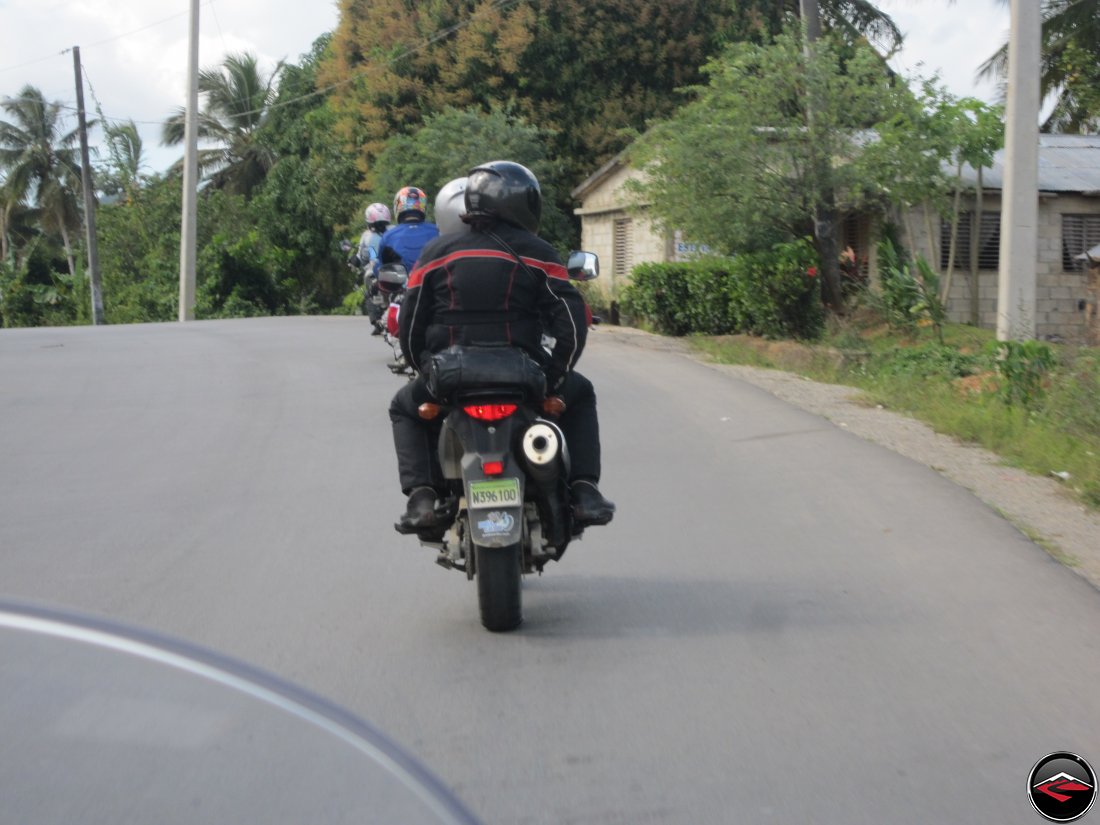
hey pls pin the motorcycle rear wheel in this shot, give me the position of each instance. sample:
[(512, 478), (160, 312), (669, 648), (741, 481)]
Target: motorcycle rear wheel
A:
[(498, 587)]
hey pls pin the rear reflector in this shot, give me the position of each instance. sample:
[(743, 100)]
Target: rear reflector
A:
[(490, 412)]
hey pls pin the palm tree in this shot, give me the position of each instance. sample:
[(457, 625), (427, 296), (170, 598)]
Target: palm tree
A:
[(237, 99), (859, 19), (1070, 45), (123, 172), (41, 164)]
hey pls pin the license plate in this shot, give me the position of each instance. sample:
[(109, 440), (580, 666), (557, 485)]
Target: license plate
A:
[(503, 492), (378, 300)]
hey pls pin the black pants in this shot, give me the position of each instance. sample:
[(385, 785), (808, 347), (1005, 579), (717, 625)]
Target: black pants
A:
[(417, 440)]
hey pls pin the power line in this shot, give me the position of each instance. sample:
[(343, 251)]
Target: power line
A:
[(105, 40)]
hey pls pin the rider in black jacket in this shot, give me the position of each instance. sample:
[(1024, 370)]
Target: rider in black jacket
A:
[(496, 283)]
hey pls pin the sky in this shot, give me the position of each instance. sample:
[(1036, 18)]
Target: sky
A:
[(134, 52)]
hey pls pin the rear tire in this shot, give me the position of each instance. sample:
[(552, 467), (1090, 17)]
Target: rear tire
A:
[(498, 587)]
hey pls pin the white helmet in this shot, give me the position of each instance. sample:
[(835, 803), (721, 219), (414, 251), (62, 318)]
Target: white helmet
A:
[(450, 206), (377, 212)]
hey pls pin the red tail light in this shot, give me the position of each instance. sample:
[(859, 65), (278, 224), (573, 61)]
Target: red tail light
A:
[(490, 412), (493, 468)]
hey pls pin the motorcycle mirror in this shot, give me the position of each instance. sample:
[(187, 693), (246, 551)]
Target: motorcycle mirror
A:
[(583, 266)]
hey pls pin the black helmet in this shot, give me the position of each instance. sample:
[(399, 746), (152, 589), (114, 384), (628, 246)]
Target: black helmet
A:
[(506, 191)]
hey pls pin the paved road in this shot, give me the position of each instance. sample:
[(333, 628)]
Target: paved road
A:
[(783, 624)]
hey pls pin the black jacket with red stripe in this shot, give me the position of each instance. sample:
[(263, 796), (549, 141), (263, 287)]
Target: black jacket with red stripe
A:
[(468, 288)]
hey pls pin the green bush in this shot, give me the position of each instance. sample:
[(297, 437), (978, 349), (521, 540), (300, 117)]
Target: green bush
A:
[(774, 294)]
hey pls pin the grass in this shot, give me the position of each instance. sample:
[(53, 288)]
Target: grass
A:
[(960, 389)]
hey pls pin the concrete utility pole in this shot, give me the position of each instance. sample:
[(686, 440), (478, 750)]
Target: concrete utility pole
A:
[(1020, 213), (189, 220), (89, 196)]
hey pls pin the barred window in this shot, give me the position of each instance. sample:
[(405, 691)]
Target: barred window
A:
[(623, 251), (989, 250), (1080, 233)]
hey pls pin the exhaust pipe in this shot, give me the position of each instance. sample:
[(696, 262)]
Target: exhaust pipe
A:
[(543, 452)]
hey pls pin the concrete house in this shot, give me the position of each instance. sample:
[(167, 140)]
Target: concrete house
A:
[(614, 226), (1069, 225)]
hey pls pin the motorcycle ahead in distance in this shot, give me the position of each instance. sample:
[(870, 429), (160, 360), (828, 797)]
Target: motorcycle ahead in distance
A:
[(505, 460), (391, 283)]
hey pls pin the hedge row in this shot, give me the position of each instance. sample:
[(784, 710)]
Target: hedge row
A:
[(774, 294)]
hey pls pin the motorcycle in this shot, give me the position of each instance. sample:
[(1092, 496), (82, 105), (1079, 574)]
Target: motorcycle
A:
[(391, 283), (506, 463), (375, 299)]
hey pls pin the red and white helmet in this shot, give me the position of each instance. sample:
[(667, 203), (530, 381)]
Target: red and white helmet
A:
[(377, 212), (409, 200)]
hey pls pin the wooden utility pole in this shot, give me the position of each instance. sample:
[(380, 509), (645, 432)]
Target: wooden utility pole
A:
[(189, 218), (89, 196), (1017, 279)]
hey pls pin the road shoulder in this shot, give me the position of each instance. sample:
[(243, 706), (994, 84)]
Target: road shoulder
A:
[(1037, 506)]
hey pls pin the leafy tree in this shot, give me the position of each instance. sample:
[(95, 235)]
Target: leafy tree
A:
[(304, 203), (41, 164), (452, 142), (237, 101), (736, 167), (1070, 56), (124, 170), (582, 71)]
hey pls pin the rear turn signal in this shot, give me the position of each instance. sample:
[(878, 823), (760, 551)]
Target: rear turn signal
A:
[(490, 412), (428, 411)]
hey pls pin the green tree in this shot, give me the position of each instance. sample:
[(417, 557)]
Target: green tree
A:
[(736, 167), (1070, 56), (452, 142), (41, 165), (237, 98), (124, 170), (304, 204)]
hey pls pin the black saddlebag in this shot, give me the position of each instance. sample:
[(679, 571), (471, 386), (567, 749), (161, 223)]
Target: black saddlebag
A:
[(480, 368)]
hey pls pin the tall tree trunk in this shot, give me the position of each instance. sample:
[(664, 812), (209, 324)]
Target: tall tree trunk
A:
[(65, 242), (3, 234), (975, 252), (933, 249), (946, 290), (825, 196)]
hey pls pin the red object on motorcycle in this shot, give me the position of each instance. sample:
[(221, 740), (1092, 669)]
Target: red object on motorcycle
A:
[(490, 412), (493, 468), (391, 319)]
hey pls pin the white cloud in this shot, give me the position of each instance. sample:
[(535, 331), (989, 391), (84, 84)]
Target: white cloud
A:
[(134, 52), (951, 39)]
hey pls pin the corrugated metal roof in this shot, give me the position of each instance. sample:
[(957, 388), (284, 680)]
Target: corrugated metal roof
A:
[(1067, 163)]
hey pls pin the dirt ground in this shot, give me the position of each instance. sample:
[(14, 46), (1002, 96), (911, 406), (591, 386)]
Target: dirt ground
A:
[(1038, 506)]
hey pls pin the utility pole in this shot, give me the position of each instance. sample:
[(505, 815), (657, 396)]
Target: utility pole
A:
[(1020, 213), (189, 219), (89, 196), (824, 197)]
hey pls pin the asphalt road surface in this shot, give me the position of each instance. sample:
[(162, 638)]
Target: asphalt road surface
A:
[(784, 623)]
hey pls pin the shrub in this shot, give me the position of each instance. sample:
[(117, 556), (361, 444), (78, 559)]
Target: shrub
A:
[(774, 293)]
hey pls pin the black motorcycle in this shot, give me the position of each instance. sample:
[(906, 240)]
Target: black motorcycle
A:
[(506, 463)]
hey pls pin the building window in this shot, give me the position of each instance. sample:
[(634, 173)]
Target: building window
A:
[(989, 249), (1080, 233), (623, 252)]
